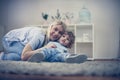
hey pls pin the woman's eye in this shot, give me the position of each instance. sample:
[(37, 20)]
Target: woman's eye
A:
[(55, 29), (60, 32)]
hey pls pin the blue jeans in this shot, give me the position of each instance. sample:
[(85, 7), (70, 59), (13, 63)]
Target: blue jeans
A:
[(12, 51), (52, 55)]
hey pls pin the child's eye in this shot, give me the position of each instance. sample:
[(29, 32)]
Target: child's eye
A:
[(63, 36), (68, 39)]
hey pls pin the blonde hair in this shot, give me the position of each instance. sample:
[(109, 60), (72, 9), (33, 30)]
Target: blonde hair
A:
[(57, 22)]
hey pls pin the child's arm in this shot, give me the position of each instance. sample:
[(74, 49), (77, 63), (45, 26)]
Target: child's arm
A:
[(50, 45)]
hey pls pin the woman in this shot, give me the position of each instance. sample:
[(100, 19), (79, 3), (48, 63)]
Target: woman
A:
[(20, 44)]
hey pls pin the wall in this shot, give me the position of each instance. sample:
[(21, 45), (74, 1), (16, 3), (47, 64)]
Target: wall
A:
[(2, 20), (105, 17), (1, 35)]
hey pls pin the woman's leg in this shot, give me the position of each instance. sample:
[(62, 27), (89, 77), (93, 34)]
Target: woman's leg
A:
[(11, 56), (12, 50)]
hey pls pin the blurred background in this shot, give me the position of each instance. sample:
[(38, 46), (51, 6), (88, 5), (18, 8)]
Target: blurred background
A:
[(105, 15)]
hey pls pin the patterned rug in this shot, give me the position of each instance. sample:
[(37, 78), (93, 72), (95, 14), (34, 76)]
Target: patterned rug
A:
[(88, 68)]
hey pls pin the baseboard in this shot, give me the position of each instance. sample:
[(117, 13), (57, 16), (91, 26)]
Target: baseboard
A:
[(107, 59), (103, 59), (90, 59)]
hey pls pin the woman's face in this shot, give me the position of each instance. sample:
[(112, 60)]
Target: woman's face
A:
[(56, 32)]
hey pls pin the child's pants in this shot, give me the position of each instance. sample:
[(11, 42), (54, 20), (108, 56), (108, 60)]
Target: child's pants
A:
[(13, 50), (52, 55)]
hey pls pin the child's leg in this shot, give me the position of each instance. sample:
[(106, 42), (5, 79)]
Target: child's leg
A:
[(77, 58), (38, 57), (46, 54), (59, 57)]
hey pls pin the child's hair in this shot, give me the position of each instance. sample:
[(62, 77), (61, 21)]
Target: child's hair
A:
[(72, 38), (57, 22)]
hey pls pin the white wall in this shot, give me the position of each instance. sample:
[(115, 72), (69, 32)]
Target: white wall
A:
[(105, 17)]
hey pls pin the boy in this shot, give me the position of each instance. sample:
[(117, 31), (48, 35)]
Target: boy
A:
[(60, 53)]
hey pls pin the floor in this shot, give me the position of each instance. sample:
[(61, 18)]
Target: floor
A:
[(37, 77)]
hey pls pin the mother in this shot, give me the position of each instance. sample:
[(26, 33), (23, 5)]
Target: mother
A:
[(20, 44)]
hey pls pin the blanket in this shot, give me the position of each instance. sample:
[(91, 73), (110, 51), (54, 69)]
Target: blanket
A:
[(88, 68)]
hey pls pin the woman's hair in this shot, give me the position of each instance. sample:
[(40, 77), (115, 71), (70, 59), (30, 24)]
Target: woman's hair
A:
[(72, 38), (57, 22)]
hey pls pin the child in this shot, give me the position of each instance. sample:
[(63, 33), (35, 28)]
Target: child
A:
[(60, 53)]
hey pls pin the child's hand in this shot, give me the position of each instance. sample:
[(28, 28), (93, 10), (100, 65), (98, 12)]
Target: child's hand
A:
[(50, 46)]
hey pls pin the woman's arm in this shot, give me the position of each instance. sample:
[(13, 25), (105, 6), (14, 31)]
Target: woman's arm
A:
[(28, 52)]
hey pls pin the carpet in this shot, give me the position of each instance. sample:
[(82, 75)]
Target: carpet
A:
[(88, 68)]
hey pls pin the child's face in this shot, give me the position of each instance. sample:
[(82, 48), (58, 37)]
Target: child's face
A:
[(64, 40)]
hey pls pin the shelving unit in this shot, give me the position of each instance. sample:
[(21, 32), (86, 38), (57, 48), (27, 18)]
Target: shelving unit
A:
[(84, 39)]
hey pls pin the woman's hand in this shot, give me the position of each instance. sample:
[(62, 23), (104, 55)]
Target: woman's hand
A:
[(27, 52)]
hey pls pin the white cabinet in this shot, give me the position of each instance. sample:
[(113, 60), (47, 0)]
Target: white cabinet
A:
[(84, 39)]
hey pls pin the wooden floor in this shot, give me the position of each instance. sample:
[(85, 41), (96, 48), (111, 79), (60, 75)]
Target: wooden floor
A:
[(37, 77)]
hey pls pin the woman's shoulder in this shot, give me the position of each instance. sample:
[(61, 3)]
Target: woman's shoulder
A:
[(34, 29)]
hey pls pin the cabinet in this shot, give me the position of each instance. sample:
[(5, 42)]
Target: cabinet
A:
[(84, 39)]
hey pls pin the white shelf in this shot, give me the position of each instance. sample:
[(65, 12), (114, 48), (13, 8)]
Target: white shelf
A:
[(84, 39), (84, 42)]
